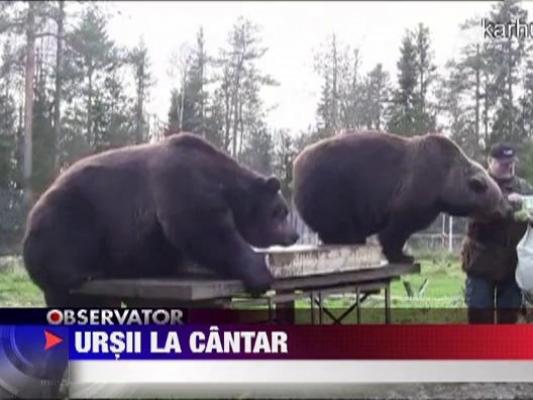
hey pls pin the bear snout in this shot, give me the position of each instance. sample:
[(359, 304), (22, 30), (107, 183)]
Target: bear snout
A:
[(288, 236), (502, 210), (506, 210), (293, 238)]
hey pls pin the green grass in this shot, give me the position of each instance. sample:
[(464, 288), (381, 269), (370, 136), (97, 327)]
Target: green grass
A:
[(16, 289), (441, 301), (444, 287)]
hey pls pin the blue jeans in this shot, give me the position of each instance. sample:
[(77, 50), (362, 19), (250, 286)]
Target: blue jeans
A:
[(483, 297)]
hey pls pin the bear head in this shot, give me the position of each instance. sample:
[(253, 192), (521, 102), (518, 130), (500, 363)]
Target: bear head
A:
[(262, 217), (469, 191)]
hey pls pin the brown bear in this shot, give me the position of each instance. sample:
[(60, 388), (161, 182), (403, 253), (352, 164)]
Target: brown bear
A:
[(351, 186), (139, 211)]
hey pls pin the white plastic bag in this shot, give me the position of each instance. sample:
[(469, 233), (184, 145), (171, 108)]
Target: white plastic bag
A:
[(524, 269)]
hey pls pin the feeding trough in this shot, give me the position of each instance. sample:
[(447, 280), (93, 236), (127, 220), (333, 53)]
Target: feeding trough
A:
[(304, 260)]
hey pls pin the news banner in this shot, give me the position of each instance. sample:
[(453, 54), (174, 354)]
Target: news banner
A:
[(128, 352)]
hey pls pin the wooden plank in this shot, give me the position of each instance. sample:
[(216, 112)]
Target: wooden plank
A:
[(341, 279), (208, 289), (364, 287), (373, 287), (181, 290)]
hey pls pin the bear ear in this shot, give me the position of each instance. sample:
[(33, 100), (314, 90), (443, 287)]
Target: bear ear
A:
[(272, 184), (477, 183)]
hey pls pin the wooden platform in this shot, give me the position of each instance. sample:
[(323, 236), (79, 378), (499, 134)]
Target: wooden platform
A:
[(280, 301), (190, 290), (314, 272)]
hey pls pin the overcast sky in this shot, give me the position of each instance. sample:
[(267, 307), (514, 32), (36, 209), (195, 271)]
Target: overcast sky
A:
[(292, 31)]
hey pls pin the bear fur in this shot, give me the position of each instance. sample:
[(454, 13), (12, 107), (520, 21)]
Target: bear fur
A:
[(139, 211), (351, 186)]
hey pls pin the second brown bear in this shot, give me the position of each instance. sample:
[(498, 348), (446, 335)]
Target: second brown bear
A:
[(351, 186)]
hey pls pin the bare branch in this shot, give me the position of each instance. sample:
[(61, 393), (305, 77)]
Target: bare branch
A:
[(43, 34)]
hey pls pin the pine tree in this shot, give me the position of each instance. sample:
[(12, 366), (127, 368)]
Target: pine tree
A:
[(43, 138), (99, 113), (173, 123), (214, 121), (91, 51), (196, 93), (239, 82), (424, 114), (353, 91), (378, 92), (410, 112), (526, 103), (465, 97), (401, 120), (58, 95), (27, 20), (257, 154), (325, 123), (115, 124), (140, 62), (454, 94), (505, 57), (8, 142), (328, 64), (285, 152)]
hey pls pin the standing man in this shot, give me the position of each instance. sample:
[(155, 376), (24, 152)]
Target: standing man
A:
[(489, 250)]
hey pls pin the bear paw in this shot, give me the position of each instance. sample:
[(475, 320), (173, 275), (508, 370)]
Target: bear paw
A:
[(401, 258)]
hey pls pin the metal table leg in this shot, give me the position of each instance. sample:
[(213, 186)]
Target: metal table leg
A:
[(270, 311), (285, 310), (387, 303), (320, 307), (312, 297), (358, 307)]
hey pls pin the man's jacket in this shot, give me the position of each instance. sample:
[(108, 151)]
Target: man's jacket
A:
[(489, 249)]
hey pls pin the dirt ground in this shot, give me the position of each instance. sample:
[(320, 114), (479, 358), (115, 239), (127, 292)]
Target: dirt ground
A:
[(452, 391), (416, 391)]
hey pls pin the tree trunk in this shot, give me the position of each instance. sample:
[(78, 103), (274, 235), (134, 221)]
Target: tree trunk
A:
[(234, 128), (235, 107), (378, 103), (241, 129), (352, 109), (227, 116), (28, 103), (478, 83), (235, 100), (422, 89), (486, 110), (58, 82), (140, 124), (140, 105), (90, 109), (334, 89), (182, 100), (510, 86), (20, 147), (202, 100)]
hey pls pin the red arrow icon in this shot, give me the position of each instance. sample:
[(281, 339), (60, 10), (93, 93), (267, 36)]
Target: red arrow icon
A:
[(51, 340)]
